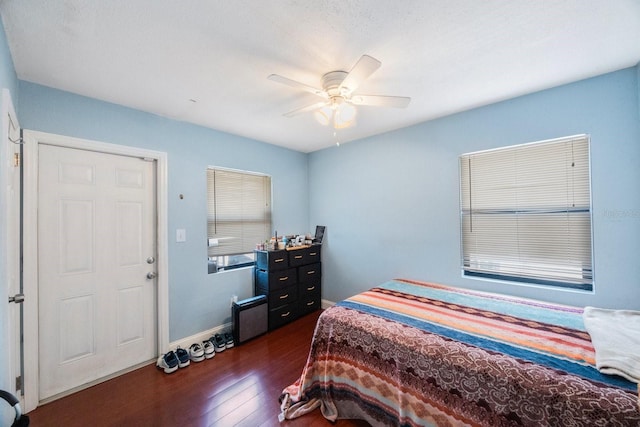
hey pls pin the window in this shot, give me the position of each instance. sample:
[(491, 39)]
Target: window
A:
[(526, 213), (238, 216)]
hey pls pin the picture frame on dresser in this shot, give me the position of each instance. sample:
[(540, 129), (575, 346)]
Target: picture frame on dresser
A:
[(319, 234)]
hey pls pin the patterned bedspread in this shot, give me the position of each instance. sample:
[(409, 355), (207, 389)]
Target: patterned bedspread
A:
[(411, 353)]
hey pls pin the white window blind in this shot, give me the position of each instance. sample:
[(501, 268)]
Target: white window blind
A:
[(526, 213), (238, 211)]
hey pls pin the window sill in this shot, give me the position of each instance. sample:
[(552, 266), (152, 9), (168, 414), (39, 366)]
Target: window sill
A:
[(537, 283)]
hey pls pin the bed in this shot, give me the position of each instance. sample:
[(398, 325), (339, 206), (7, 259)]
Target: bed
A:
[(411, 353)]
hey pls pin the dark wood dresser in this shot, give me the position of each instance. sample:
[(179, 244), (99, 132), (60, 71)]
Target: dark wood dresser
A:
[(291, 281)]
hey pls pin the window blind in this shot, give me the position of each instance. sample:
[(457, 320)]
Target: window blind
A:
[(238, 211), (526, 213)]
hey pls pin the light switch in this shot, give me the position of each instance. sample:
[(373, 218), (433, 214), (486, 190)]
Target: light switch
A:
[(181, 235)]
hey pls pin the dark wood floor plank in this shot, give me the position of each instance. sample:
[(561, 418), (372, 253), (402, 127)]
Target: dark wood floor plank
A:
[(238, 387)]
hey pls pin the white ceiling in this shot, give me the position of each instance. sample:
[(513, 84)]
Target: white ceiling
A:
[(207, 61)]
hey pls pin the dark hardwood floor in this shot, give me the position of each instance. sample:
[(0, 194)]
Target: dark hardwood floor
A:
[(238, 387)]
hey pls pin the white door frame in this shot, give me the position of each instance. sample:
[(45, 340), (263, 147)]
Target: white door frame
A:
[(30, 239), (10, 240)]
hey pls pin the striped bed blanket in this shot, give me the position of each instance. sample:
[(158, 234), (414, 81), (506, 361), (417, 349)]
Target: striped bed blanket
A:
[(409, 353)]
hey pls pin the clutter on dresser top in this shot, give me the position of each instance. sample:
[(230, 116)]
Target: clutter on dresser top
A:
[(293, 241)]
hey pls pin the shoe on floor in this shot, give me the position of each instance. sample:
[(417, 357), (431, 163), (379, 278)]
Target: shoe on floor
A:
[(196, 352), (168, 362), (228, 337), (219, 343), (183, 357), (209, 349)]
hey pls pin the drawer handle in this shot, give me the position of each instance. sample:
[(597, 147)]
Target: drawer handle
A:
[(313, 253), (310, 303), (311, 272), (282, 279), (284, 296), (278, 260), (298, 256), (285, 314), (311, 288)]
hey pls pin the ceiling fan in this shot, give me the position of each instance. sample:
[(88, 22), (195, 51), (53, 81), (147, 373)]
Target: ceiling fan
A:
[(339, 100)]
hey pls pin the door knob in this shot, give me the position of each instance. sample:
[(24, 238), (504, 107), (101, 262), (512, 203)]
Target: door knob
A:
[(152, 275), (151, 260)]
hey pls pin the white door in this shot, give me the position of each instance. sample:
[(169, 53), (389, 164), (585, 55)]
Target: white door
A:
[(96, 266)]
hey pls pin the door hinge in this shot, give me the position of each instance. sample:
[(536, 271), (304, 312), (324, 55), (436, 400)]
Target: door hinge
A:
[(19, 382), (17, 298), (16, 160)]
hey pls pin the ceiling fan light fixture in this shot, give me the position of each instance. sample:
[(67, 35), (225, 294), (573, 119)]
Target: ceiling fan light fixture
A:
[(340, 114), (337, 124), (346, 112), (324, 115)]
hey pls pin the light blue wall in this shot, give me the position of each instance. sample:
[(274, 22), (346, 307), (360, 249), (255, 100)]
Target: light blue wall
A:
[(8, 77), (8, 80), (197, 300), (391, 202)]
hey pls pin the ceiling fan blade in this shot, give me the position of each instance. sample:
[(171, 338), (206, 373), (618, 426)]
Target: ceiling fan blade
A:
[(381, 100), (305, 109), (286, 81), (365, 66)]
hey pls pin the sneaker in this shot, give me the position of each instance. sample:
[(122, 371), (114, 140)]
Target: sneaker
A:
[(196, 352), (168, 362), (219, 343), (229, 339), (209, 350), (183, 357)]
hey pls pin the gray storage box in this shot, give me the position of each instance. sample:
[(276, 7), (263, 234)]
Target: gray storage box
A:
[(250, 318)]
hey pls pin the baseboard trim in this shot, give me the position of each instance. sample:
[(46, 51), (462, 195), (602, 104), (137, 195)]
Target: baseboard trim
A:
[(326, 304), (199, 337)]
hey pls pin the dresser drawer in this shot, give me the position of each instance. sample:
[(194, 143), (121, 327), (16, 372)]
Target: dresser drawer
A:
[(309, 302), (272, 260), (282, 297), (282, 315), (277, 279), (309, 273), (303, 256), (311, 287)]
